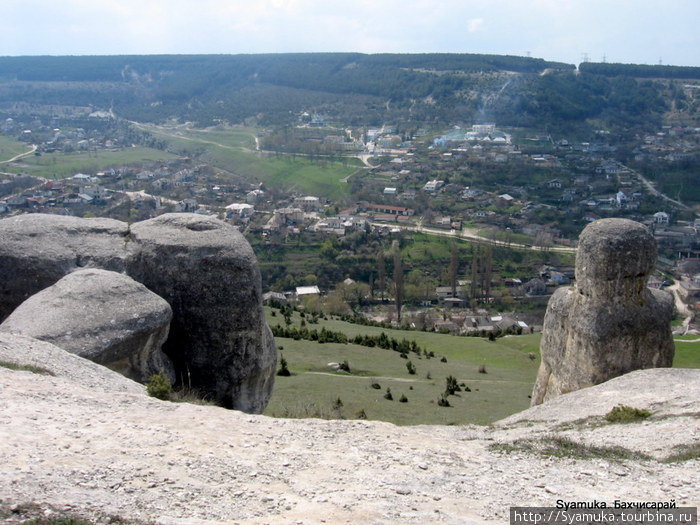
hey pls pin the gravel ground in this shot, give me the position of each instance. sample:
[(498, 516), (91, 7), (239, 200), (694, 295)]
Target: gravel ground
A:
[(89, 442)]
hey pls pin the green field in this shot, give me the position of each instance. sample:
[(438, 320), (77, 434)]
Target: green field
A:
[(233, 150), (10, 147), (313, 388), (62, 165)]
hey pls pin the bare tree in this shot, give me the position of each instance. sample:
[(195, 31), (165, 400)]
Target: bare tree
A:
[(398, 285)]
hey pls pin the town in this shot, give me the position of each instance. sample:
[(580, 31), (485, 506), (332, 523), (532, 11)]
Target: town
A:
[(524, 195)]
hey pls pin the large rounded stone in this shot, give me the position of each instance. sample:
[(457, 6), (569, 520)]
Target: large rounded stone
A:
[(103, 316), (219, 341), (36, 250), (609, 323)]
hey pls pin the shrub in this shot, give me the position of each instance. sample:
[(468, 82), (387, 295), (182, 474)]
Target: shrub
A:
[(388, 394), (442, 401), (625, 414), (403, 399), (284, 369), (443, 359), (337, 403), (361, 414), (375, 385), (345, 366), (159, 386), (411, 368), (451, 386), (482, 369)]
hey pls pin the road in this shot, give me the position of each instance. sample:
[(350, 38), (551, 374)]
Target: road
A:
[(651, 189), (21, 155), (472, 236)]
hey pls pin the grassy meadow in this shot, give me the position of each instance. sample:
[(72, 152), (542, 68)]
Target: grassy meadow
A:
[(61, 165), (233, 150), (314, 388)]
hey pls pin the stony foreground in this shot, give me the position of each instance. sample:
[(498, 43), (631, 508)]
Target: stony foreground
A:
[(90, 442)]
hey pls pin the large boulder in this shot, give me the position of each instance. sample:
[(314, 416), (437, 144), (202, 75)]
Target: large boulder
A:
[(36, 250), (103, 316), (609, 323), (219, 342), (208, 273)]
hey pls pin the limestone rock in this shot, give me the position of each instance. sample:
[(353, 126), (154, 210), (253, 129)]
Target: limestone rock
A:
[(103, 316), (609, 323), (36, 250), (206, 270), (22, 350)]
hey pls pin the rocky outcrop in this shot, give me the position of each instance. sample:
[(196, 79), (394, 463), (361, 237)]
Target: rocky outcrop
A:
[(54, 363), (36, 250), (208, 273), (103, 316), (205, 269), (609, 323)]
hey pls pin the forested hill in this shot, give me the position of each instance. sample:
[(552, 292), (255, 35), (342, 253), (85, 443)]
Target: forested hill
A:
[(354, 88)]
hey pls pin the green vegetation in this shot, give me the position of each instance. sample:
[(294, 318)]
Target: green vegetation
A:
[(687, 353), (561, 447), (232, 150), (26, 368), (10, 148), (313, 387), (684, 453), (626, 414), (60, 165), (159, 386)]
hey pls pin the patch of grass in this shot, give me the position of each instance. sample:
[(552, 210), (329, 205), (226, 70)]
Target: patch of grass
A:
[(687, 354), (684, 453), (626, 414), (561, 447), (63, 165), (27, 368)]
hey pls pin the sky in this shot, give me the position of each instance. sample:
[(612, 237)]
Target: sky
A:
[(630, 31)]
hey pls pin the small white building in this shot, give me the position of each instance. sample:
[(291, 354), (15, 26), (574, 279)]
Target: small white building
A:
[(301, 291), (661, 217), (240, 209)]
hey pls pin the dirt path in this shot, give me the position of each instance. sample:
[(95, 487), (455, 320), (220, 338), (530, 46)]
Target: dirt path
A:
[(21, 155)]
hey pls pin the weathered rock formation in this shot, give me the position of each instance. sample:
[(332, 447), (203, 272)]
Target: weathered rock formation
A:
[(104, 316), (609, 323), (205, 269), (208, 273), (36, 250)]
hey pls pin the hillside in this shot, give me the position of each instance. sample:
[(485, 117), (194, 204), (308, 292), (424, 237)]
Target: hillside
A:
[(83, 443), (353, 88)]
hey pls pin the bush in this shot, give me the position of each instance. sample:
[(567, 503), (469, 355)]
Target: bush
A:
[(388, 394), (361, 414), (443, 359), (159, 386), (451, 386), (284, 369), (625, 414), (375, 385), (337, 403), (403, 399), (345, 366), (410, 367), (482, 369), (442, 401)]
